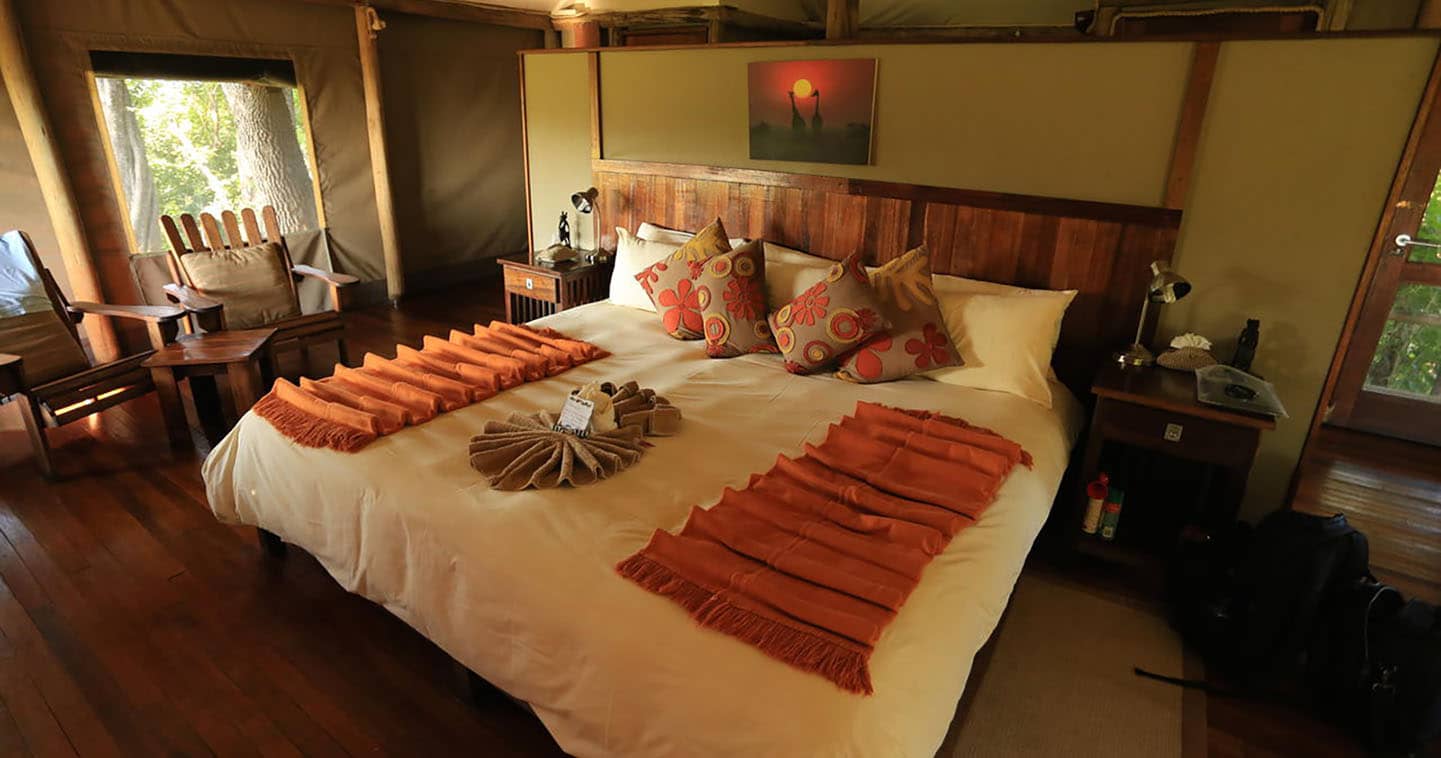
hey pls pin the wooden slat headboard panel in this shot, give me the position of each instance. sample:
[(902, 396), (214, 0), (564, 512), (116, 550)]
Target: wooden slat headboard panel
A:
[(1100, 249)]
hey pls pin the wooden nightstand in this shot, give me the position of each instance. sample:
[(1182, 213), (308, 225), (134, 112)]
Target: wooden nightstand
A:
[(1156, 409), (533, 290)]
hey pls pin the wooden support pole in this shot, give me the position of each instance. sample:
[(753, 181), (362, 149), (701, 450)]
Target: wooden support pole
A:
[(367, 26), (60, 204), (1429, 17), (585, 34), (1188, 129), (842, 18)]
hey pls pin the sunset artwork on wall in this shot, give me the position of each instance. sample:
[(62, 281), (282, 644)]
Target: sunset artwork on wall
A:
[(790, 120)]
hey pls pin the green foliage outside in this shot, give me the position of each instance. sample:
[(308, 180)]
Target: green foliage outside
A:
[(1408, 357), (189, 136)]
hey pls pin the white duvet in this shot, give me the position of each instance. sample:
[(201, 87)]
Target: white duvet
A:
[(520, 586)]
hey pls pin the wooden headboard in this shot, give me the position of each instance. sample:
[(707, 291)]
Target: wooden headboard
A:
[(1100, 249)]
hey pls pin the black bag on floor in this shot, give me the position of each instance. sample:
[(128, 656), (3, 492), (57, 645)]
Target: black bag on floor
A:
[(1296, 561), (1376, 666), (1249, 603)]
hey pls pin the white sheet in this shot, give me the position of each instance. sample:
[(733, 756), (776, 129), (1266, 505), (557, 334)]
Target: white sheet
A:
[(521, 587)]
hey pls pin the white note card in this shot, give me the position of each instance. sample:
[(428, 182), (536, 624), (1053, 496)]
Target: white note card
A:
[(575, 415)]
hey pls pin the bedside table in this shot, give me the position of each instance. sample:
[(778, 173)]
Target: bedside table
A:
[(1156, 409), (533, 290)]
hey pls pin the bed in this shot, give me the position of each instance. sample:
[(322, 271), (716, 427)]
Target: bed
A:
[(520, 587)]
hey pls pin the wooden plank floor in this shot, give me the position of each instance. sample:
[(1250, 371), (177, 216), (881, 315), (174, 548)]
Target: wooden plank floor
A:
[(134, 624), (1391, 491)]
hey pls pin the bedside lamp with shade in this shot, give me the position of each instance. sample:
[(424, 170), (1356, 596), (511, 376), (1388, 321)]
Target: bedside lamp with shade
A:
[(584, 202), (1166, 286)]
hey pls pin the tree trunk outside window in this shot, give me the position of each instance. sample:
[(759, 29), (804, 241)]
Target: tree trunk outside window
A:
[(273, 170), (136, 180)]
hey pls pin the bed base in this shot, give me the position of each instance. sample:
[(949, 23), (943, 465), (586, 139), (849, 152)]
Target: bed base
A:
[(472, 688), (270, 543), (467, 685)]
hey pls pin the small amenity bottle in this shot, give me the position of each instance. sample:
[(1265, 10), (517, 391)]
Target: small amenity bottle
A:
[(1246, 345), (1111, 514), (1095, 499)]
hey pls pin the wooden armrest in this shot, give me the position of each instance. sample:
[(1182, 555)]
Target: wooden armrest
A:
[(338, 280), (12, 374), (155, 314), (190, 299)]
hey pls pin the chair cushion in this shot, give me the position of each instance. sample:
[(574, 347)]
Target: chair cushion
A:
[(251, 281), (42, 339)]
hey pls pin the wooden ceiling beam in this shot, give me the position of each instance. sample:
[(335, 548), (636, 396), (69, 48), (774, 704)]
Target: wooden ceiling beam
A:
[(693, 16), (455, 10)]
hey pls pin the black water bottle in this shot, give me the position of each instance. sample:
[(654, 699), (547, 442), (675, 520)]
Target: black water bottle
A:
[(1246, 345)]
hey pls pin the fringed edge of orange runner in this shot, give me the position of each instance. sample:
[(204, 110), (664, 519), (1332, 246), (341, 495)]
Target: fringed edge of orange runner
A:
[(847, 668), (307, 430)]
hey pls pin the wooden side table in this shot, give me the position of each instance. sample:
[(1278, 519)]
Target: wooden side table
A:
[(236, 354), (534, 290), (1156, 409)]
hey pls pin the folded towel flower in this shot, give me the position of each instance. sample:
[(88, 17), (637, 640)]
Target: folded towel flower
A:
[(640, 407), (526, 451)]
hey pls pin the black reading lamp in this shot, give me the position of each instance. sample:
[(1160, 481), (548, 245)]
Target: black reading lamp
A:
[(1166, 287), (584, 202)]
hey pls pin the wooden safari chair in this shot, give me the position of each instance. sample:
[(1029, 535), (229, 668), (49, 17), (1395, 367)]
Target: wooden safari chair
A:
[(247, 280), (43, 365)]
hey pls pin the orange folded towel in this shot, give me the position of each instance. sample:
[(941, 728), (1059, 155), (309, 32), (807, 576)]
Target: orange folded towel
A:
[(354, 406), (314, 422), (420, 404), (556, 360), (533, 366), (452, 394), (813, 559), (479, 385), (503, 371), (579, 351), (390, 416)]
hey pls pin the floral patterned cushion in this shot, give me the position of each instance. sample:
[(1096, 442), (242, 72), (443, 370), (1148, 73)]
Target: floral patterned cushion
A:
[(733, 287), (671, 282), (917, 340), (828, 320)]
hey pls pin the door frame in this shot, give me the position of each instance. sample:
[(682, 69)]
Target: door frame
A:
[(1425, 134)]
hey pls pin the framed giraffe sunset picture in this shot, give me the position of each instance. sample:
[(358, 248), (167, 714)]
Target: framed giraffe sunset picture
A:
[(814, 111)]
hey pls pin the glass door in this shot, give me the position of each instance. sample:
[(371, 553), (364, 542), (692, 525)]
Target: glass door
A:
[(1390, 380)]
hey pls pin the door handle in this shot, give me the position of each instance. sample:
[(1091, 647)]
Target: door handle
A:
[(1404, 241)]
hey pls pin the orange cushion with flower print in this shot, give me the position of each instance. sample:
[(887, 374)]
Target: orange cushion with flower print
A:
[(735, 310), (671, 282), (828, 320), (917, 340)]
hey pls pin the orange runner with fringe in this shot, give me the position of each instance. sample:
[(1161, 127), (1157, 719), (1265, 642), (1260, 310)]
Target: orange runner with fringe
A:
[(354, 406), (813, 559)]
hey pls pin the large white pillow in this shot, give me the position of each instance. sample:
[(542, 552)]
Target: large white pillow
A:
[(653, 233), (946, 283), (633, 254), (1005, 339), (790, 272)]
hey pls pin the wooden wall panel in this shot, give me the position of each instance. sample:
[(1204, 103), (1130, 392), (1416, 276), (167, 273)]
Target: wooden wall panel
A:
[(1101, 250)]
